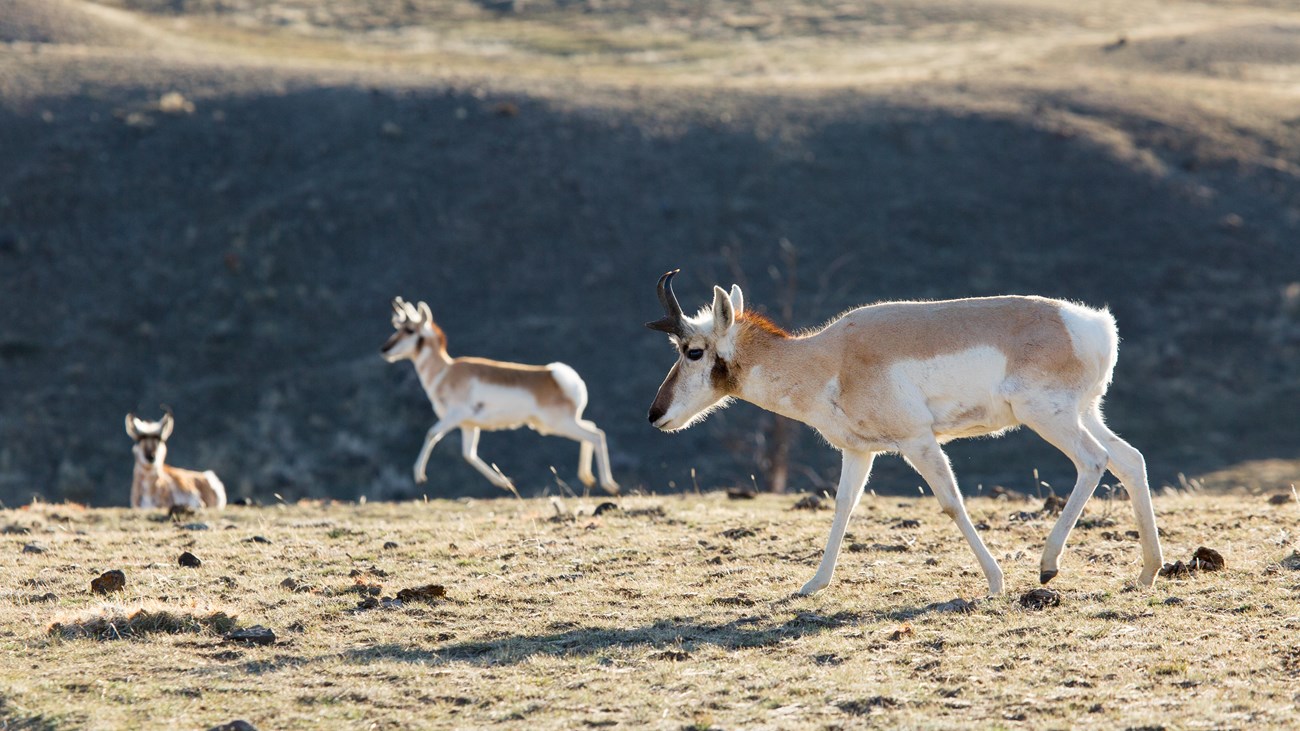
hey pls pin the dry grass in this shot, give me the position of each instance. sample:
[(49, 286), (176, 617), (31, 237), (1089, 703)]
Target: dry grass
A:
[(654, 619)]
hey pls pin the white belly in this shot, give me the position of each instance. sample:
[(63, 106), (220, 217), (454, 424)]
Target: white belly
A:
[(962, 392)]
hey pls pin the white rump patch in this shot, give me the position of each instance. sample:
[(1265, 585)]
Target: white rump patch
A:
[(571, 384)]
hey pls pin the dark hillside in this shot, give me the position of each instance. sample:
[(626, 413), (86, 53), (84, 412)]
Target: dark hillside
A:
[(236, 262)]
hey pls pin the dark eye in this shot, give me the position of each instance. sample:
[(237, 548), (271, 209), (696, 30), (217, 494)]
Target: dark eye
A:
[(695, 353)]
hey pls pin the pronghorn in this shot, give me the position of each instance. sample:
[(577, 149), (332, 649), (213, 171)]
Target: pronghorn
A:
[(157, 485), (476, 394), (906, 377)]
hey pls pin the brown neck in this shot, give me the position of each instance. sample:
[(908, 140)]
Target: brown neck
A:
[(772, 368), (430, 361)]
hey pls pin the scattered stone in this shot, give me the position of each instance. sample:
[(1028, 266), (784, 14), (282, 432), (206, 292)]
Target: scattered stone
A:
[(904, 630), (1292, 562), (42, 598), (1175, 570), (33, 548), (671, 655), (257, 539), (290, 584), (740, 493), (14, 529), (109, 581), (809, 502), (189, 560), (656, 511), (1282, 498), (829, 658), (1174, 601), (1088, 523), (390, 545), (1053, 505), (907, 523), (1040, 598), (196, 526), (236, 725), (958, 606), (1207, 559), (426, 593), (739, 600), (604, 508), (373, 571), (867, 706), (387, 602), (737, 533), (255, 635)]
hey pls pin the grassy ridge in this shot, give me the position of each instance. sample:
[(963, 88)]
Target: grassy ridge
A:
[(674, 612)]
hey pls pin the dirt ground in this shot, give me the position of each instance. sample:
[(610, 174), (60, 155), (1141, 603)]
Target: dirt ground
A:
[(529, 168), (669, 613)]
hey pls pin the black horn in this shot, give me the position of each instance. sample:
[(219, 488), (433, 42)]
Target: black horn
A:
[(671, 322)]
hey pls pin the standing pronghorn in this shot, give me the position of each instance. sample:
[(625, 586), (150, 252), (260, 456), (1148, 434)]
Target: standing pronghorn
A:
[(475, 394), (157, 485), (906, 377)]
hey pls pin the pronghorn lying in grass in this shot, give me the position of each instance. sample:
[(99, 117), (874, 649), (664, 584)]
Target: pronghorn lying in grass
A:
[(906, 377), (475, 394), (155, 484)]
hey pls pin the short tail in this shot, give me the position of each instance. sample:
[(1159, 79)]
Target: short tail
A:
[(571, 384), (218, 497)]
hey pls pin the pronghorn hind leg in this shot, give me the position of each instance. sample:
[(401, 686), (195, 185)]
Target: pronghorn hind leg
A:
[(929, 460), (1128, 465), (585, 453), (1063, 429), (593, 443), (853, 476), (469, 450)]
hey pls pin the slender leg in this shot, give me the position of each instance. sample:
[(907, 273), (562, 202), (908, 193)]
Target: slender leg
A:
[(584, 463), (853, 476), (929, 460), (469, 450), (435, 435), (1064, 430), (1131, 469), (593, 439)]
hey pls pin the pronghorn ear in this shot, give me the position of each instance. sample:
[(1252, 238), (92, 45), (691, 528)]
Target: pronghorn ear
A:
[(737, 300), (425, 313), (130, 427), (168, 423), (724, 315)]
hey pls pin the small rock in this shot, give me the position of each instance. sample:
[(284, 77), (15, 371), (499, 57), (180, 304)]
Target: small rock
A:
[(740, 493), (1174, 570), (189, 560), (290, 584), (33, 548), (237, 725), (257, 539), (1207, 559), (958, 606), (390, 545), (255, 635), (109, 581), (1174, 601), (809, 502), (368, 603), (1282, 498), (426, 593), (1040, 598), (195, 526), (737, 533), (908, 523), (42, 598), (604, 508), (13, 529)]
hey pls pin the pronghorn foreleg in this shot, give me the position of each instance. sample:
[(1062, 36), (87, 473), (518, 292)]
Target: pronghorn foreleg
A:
[(853, 476), (469, 450), (435, 435), (928, 459), (592, 440)]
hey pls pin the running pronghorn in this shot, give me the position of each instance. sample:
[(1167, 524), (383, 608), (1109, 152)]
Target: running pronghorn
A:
[(157, 485), (906, 377), (476, 394)]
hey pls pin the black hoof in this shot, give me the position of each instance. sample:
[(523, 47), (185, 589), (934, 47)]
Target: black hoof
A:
[(1047, 576)]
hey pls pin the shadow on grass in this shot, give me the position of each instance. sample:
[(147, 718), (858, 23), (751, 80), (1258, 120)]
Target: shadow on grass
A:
[(740, 633)]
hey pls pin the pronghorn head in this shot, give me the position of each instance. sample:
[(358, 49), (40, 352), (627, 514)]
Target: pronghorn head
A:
[(150, 437), (415, 329), (703, 378)]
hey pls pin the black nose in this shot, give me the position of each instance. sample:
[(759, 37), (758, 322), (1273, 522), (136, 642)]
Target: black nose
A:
[(657, 413)]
